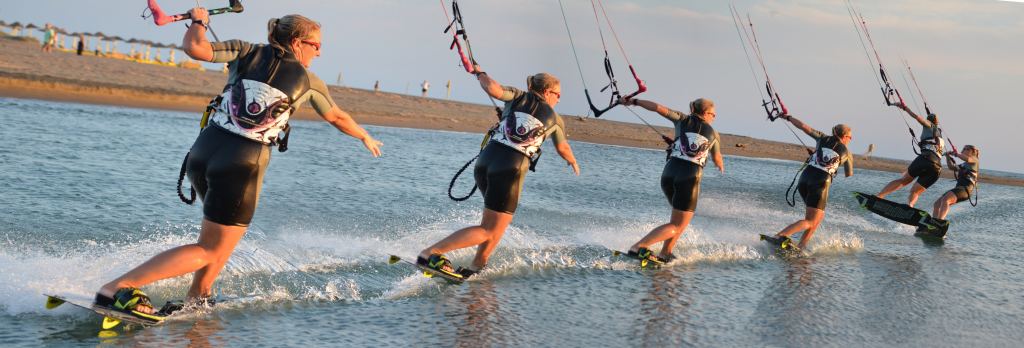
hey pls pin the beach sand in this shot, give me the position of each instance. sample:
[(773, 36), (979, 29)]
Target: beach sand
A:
[(28, 73)]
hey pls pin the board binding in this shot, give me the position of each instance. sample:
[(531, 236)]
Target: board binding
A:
[(643, 262), (111, 318), (427, 272)]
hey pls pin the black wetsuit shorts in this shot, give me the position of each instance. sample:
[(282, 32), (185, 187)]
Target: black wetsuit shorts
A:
[(813, 187), (962, 193), (925, 169), (226, 171), (499, 173), (680, 181)]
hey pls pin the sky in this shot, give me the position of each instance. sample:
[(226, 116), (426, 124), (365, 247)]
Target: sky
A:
[(966, 56)]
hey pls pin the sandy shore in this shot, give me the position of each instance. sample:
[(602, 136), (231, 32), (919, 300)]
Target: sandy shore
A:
[(27, 73)]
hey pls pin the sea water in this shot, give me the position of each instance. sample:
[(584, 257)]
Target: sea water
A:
[(88, 192)]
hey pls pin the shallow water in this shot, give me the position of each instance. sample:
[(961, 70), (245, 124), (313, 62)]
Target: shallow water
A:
[(87, 192)]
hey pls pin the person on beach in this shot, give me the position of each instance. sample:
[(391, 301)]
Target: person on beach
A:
[(514, 147), (927, 166), (49, 38), (266, 83), (695, 141), (81, 44), (829, 154), (425, 86), (966, 180), (376, 86)]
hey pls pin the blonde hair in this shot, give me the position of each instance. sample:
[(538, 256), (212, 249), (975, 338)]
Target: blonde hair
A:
[(841, 130), (700, 106), (541, 82), (971, 147), (281, 31)]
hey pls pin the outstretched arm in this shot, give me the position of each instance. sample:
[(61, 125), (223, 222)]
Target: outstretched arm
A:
[(646, 104), (911, 113), (487, 83), (798, 124), (343, 122), (717, 158), (195, 44), (566, 152)]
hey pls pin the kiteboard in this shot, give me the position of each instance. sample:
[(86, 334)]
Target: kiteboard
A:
[(779, 242), (927, 226), (429, 272), (643, 262), (111, 317)]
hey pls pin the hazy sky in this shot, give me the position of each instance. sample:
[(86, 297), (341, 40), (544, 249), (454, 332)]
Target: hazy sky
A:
[(966, 56)]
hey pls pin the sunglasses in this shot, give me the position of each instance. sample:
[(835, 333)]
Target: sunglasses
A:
[(314, 44), (557, 94)]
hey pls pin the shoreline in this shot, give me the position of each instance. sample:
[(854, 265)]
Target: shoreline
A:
[(26, 73)]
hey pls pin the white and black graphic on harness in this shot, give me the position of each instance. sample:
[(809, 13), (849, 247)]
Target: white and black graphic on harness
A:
[(254, 110), (827, 160), (933, 144), (521, 131), (692, 147)]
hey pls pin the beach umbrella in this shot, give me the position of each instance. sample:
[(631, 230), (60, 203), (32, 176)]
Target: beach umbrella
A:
[(2, 24), (99, 39), (115, 39), (30, 26), (14, 28), (173, 47), (133, 41)]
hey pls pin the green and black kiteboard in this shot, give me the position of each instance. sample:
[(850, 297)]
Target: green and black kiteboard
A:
[(111, 317), (643, 261), (927, 226), (429, 272)]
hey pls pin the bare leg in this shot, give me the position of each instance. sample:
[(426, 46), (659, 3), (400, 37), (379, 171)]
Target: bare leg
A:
[(486, 235), (896, 185), (915, 191), (810, 223), (942, 205), (669, 233), (210, 253)]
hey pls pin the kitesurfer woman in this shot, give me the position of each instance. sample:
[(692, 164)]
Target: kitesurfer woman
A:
[(680, 181), (829, 153), (927, 166), (527, 120), (966, 180), (227, 161)]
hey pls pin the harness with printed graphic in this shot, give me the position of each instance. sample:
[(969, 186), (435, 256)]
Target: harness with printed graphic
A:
[(693, 146), (827, 158), (258, 104), (524, 126), (933, 143)]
